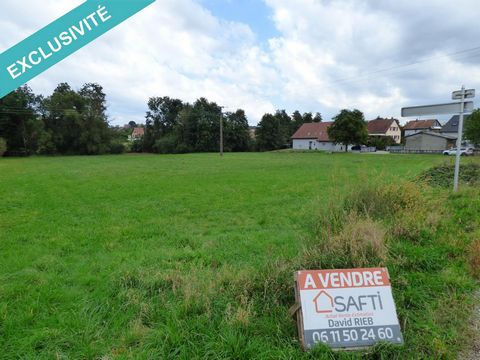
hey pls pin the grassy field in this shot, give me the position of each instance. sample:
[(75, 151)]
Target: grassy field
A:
[(142, 256)]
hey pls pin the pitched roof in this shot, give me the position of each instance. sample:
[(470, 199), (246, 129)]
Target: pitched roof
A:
[(431, 133), (421, 124), (452, 125), (316, 131), (380, 126), (138, 131)]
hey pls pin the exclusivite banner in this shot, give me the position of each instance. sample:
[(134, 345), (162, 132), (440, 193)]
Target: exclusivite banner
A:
[(61, 38)]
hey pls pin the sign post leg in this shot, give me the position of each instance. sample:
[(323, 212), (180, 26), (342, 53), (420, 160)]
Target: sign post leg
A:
[(459, 142)]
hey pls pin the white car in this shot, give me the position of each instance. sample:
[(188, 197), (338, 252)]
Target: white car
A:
[(463, 151)]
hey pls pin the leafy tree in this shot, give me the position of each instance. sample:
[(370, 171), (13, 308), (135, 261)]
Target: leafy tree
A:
[(95, 133), (132, 124), (61, 118), (472, 128), (286, 128), (20, 125), (317, 118), (269, 133), (160, 119), (307, 117), (236, 131), (349, 127), (206, 116), (76, 122), (297, 121)]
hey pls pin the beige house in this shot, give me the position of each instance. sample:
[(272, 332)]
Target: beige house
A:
[(385, 128)]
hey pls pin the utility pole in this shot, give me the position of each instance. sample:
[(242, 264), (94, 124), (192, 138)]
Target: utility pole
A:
[(221, 131), (459, 141)]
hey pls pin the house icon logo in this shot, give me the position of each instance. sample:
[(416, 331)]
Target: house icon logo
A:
[(323, 303)]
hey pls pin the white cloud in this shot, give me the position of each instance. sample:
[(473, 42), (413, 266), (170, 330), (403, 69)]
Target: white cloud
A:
[(336, 49), (174, 47), (327, 55)]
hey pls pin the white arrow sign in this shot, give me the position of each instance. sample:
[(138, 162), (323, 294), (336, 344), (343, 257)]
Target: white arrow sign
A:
[(450, 108), (457, 95)]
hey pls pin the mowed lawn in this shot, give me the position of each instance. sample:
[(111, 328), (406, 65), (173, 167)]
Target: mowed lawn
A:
[(104, 256)]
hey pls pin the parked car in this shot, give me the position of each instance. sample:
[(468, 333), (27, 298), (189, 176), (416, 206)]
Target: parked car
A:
[(463, 151)]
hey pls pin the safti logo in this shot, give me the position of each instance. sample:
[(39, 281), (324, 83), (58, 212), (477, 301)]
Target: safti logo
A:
[(323, 303)]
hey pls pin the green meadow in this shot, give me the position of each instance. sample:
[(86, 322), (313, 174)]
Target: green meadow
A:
[(192, 256)]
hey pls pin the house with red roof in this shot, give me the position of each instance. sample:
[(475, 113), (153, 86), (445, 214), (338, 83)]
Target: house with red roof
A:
[(137, 134), (385, 128), (314, 136)]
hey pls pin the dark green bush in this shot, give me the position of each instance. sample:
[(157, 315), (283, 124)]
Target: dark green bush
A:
[(442, 175), (117, 148), (165, 145), (3, 146)]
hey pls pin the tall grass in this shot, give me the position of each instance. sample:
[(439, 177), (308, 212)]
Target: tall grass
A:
[(201, 264), (405, 227)]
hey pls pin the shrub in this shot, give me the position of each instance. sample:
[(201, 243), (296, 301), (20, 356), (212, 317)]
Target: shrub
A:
[(442, 175), (137, 146), (351, 232), (117, 148), (3, 146), (183, 149), (165, 145), (381, 201), (381, 143), (360, 243)]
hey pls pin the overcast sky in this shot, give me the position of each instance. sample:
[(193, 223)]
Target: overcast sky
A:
[(262, 55)]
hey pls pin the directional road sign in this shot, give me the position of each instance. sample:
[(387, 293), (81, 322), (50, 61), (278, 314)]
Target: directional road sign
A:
[(469, 94), (439, 109)]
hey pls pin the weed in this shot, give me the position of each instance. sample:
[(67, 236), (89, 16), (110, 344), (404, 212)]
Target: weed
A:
[(360, 243)]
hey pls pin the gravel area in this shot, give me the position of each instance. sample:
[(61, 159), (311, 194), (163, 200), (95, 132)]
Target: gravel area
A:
[(473, 352)]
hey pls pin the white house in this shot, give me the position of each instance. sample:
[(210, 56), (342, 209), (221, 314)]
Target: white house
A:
[(314, 136)]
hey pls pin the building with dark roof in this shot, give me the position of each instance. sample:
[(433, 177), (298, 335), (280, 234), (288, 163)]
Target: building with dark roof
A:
[(451, 127)]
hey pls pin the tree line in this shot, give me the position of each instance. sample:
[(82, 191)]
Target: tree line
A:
[(173, 126), (66, 122), (75, 122)]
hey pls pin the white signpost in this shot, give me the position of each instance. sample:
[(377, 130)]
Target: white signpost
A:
[(440, 109), (346, 309), (469, 94), (460, 108)]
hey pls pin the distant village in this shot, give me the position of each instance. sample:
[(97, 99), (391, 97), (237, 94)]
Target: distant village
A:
[(417, 136)]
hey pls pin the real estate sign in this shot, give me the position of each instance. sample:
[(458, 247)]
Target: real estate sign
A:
[(346, 308)]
